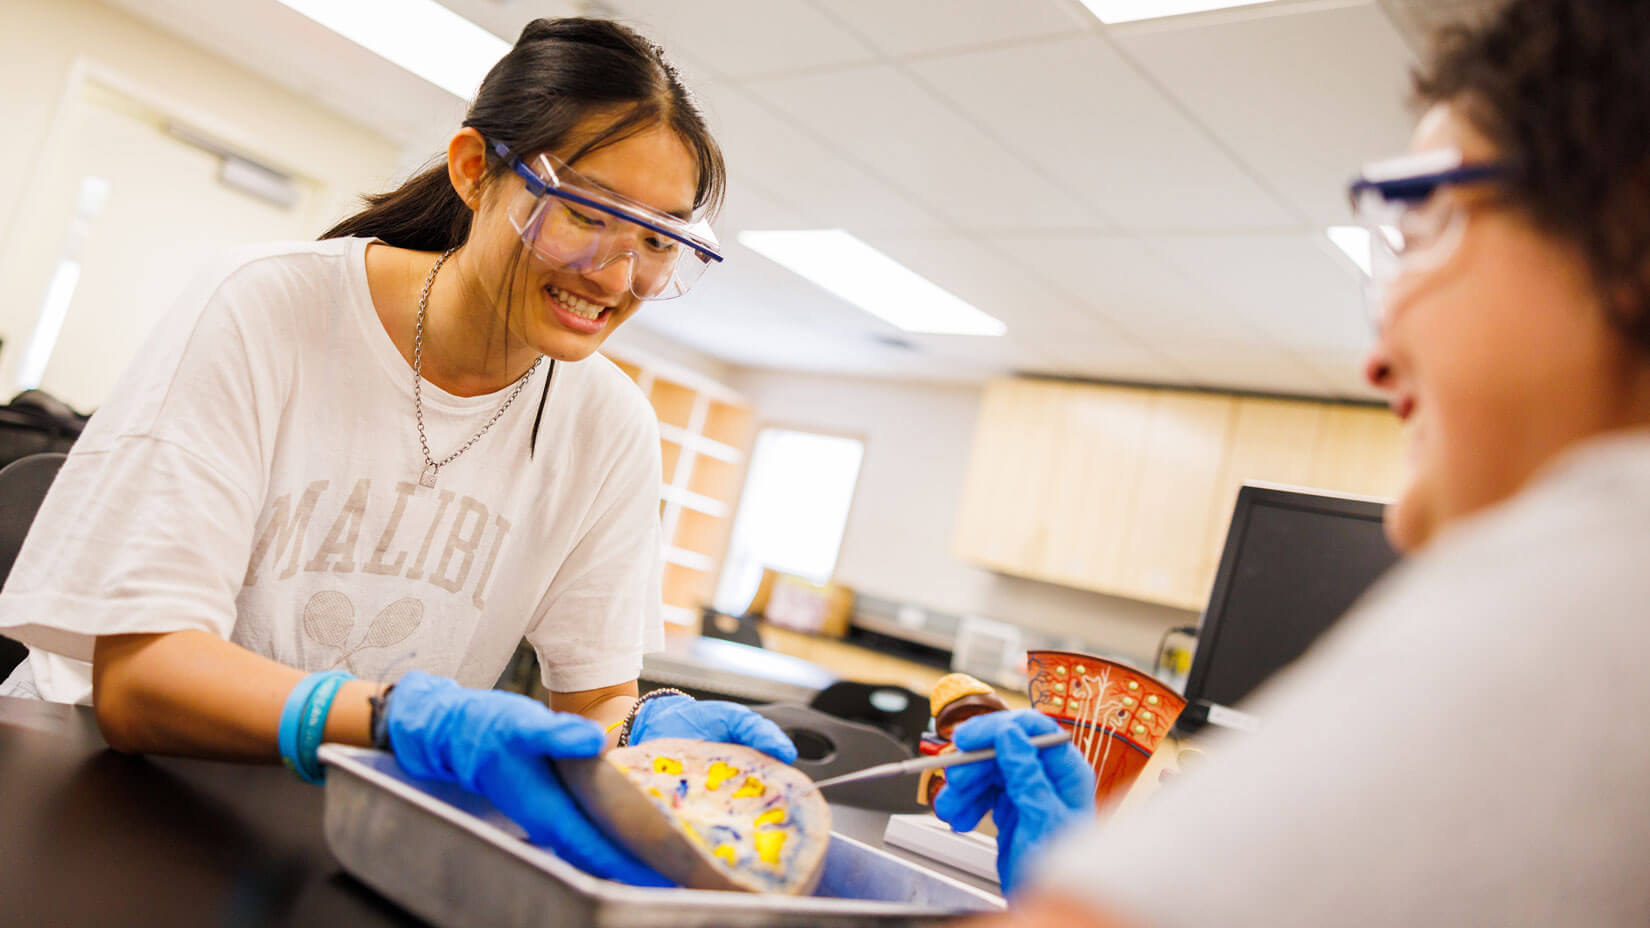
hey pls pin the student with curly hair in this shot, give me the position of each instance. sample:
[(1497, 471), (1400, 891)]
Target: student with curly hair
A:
[(1470, 745)]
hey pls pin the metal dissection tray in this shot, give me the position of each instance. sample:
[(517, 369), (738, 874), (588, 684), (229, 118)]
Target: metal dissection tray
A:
[(449, 857)]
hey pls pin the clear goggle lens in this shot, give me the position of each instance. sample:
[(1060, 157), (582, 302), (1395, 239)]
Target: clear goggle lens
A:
[(1411, 228), (570, 223), (1405, 238)]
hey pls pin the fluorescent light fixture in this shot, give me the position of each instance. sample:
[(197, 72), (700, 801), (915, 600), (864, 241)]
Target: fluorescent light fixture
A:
[(422, 36), (54, 309), (1127, 11), (869, 279), (1354, 242)]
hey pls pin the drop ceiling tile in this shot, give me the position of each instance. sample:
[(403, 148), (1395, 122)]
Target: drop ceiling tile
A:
[(504, 19), (1302, 98), (977, 274), (1287, 285), (1290, 287), (741, 38), (879, 118), (919, 27), (748, 206), (762, 340), (1075, 108), (1117, 279), (1062, 326), (1093, 356), (289, 49), (1175, 314), (751, 311), (796, 171)]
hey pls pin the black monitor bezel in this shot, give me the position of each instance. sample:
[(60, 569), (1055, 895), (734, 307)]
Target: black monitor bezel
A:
[(1209, 623)]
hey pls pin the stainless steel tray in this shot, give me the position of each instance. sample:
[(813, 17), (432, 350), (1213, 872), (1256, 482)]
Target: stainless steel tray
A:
[(449, 857)]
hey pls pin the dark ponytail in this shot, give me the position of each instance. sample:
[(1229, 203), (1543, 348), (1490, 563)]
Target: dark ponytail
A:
[(424, 214), (559, 72)]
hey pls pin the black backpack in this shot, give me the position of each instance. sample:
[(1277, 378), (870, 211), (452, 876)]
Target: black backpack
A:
[(36, 421)]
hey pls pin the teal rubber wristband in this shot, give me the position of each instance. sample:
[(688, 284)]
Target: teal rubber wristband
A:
[(312, 724), (286, 739)]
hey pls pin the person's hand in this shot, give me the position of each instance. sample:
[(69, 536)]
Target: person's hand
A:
[(499, 745), (686, 717), (1033, 794)]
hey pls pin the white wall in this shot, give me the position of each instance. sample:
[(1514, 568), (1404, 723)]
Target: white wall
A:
[(898, 541), (53, 53), (40, 41)]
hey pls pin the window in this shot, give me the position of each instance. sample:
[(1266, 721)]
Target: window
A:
[(792, 512)]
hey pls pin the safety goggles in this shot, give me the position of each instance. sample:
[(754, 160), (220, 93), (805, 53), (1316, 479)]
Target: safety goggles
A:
[(571, 222), (1409, 229)]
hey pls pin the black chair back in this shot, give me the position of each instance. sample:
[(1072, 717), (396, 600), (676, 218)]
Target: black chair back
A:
[(827, 746), (23, 486), (894, 709)]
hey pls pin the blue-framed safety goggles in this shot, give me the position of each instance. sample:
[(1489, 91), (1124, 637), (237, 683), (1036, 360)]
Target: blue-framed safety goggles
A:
[(570, 222), (1409, 229)]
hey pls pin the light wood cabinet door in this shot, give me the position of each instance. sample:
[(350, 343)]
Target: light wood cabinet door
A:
[(1095, 467), (1359, 450), (1007, 499), (1168, 518), (1272, 441), (1129, 490)]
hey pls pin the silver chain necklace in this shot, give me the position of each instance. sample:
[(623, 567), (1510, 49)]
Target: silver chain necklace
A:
[(431, 466)]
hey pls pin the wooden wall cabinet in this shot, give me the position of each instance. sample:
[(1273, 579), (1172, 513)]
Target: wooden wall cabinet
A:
[(1129, 490), (1171, 498), (705, 433), (1001, 523)]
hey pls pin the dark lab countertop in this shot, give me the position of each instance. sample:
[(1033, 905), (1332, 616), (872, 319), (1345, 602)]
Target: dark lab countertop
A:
[(90, 837)]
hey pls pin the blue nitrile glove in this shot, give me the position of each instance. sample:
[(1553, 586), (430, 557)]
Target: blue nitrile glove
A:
[(1033, 794), (499, 744), (686, 717)]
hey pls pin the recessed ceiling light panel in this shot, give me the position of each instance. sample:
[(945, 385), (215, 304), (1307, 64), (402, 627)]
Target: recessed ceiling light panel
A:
[(422, 36), (847, 267), (1128, 11)]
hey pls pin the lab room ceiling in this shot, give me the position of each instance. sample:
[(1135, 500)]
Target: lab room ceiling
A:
[(1141, 202)]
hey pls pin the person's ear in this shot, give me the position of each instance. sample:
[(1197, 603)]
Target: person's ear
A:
[(467, 165)]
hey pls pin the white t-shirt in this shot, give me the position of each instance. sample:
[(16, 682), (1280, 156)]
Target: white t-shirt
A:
[(255, 474), (1471, 746)]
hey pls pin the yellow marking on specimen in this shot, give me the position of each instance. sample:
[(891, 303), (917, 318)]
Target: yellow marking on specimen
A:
[(725, 852), (654, 791), (666, 765), (752, 787), (694, 835), (719, 773), (771, 817), (768, 844)]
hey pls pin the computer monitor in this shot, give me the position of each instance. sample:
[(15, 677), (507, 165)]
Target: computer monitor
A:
[(1294, 562)]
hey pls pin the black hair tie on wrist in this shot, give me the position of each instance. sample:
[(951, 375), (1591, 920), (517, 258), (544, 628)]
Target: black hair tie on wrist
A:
[(378, 720)]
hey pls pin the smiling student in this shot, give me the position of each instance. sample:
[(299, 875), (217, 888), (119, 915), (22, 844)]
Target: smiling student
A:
[(393, 454), (1469, 746)]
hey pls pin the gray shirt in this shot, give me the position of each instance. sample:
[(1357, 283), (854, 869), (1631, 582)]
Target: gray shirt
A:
[(1470, 746)]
